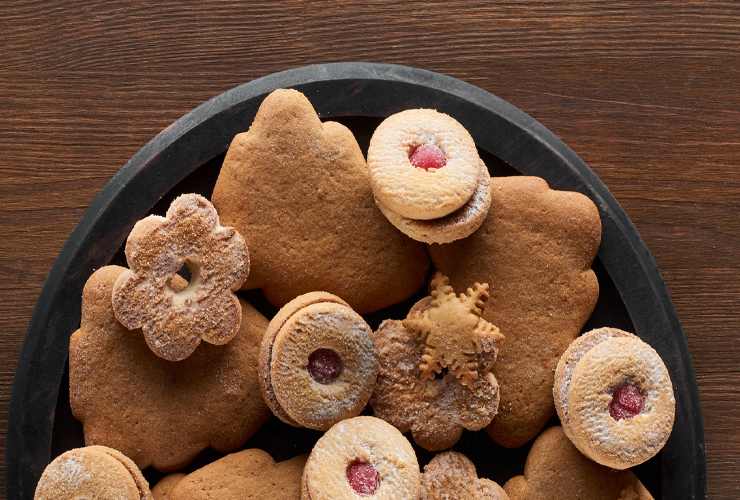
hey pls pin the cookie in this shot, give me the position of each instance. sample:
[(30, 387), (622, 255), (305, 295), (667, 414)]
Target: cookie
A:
[(299, 191), (423, 164), (555, 470), (451, 476), (435, 367), (614, 398), (246, 475), (92, 472), (536, 246), (175, 322), (317, 362), (365, 457), (157, 412), (163, 489)]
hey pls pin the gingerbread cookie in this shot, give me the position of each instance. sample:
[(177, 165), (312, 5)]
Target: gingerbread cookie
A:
[(92, 472), (246, 475), (299, 191), (614, 398), (175, 322), (163, 489), (435, 367), (157, 412), (361, 456), (317, 362), (451, 476), (555, 470), (427, 177), (537, 246)]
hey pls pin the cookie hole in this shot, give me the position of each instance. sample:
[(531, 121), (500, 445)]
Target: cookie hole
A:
[(362, 477), (190, 272), (324, 365), (427, 156), (627, 401), (441, 374)]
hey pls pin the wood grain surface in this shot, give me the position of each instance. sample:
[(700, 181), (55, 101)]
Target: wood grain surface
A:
[(646, 92)]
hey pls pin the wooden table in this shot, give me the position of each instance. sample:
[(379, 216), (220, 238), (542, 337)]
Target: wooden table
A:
[(647, 94)]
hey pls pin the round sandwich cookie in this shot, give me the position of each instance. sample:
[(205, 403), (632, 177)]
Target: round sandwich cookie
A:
[(614, 398), (92, 472), (362, 457), (317, 362)]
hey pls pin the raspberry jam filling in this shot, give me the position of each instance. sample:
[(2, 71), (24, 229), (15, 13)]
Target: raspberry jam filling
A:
[(627, 402), (324, 366), (427, 156), (363, 477)]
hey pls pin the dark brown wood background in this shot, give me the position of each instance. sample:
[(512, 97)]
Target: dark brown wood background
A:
[(648, 93)]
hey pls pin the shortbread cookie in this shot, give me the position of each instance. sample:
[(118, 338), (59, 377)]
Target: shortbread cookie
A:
[(423, 164), (175, 322), (435, 367), (614, 398), (536, 246), (451, 476), (163, 489), (317, 362), (92, 472), (459, 224), (299, 191), (157, 412), (556, 470), (246, 475), (365, 457)]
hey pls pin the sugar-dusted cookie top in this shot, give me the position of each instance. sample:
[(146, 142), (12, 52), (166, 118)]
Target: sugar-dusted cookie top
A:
[(158, 412), (536, 247), (299, 191), (451, 476), (555, 470)]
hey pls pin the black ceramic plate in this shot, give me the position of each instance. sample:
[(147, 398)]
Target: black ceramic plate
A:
[(186, 157)]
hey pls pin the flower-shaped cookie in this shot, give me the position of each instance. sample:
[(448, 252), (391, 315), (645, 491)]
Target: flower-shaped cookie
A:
[(175, 322), (452, 476), (435, 367)]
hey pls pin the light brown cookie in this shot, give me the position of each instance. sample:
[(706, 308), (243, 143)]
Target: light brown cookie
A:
[(361, 457), (246, 475), (614, 398), (163, 489), (423, 164), (92, 472), (536, 246), (317, 362), (174, 322), (452, 476), (435, 367), (158, 412), (299, 191), (555, 470)]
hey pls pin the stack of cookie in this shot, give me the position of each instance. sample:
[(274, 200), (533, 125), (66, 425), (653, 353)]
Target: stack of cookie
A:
[(168, 363)]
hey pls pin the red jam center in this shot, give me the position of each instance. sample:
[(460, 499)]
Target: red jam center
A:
[(427, 156), (627, 402), (363, 478), (324, 366)]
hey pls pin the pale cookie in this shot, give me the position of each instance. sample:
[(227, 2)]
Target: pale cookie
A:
[(317, 362), (435, 367), (614, 398), (163, 489), (452, 476), (536, 246), (556, 470), (459, 224), (423, 164), (92, 472), (157, 412), (362, 457), (299, 191), (175, 322), (246, 475)]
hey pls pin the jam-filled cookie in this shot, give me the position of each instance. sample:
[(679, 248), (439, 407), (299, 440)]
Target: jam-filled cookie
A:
[(452, 476), (92, 472), (361, 457), (614, 398), (317, 362), (427, 177)]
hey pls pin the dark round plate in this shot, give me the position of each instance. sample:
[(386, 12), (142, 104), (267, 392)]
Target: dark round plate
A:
[(186, 157)]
